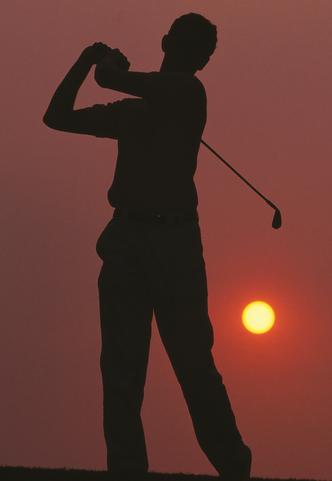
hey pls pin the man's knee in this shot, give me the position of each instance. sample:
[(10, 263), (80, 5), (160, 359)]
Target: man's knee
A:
[(198, 373)]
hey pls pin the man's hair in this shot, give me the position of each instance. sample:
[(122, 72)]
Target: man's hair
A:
[(195, 34)]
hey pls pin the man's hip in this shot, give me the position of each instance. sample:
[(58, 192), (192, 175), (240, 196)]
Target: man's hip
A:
[(155, 216)]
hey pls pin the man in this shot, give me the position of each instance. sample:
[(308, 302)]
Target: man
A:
[(151, 249)]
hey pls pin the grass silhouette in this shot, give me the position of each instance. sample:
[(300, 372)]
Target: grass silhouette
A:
[(21, 473)]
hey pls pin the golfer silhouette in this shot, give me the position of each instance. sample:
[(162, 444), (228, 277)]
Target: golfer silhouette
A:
[(151, 249)]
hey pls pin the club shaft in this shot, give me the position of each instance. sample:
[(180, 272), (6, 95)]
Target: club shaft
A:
[(238, 174)]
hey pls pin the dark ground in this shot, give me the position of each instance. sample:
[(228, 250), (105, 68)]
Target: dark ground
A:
[(20, 473)]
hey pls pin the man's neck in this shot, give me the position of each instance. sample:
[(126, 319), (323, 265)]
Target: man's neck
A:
[(168, 66)]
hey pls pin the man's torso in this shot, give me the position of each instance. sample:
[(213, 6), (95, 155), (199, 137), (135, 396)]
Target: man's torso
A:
[(158, 144)]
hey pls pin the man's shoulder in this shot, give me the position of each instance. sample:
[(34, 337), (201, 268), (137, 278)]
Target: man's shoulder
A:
[(198, 82), (199, 87), (193, 90), (192, 87)]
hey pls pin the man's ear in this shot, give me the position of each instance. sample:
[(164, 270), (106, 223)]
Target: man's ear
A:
[(164, 43)]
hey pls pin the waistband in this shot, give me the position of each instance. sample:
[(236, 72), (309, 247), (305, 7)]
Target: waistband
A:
[(155, 216)]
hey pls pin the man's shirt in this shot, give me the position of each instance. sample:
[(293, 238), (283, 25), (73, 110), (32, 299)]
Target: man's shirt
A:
[(158, 143)]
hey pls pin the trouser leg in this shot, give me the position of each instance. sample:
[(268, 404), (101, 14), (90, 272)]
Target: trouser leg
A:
[(125, 316), (182, 317)]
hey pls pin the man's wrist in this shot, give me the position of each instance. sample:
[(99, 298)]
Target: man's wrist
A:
[(85, 60)]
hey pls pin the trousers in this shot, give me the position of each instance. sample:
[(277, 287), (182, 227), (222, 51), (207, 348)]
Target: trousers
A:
[(155, 267)]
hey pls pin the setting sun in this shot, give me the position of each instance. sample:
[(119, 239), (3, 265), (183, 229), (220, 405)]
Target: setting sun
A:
[(258, 317)]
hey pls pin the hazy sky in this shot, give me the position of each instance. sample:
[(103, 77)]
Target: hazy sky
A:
[(269, 114)]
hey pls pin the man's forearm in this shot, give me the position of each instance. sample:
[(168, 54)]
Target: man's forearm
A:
[(64, 97), (162, 85)]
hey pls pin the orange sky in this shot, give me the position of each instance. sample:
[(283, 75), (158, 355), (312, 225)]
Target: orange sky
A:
[(269, 111)]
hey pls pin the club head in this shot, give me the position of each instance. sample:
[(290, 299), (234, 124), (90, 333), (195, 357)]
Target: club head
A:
[(276, 222)]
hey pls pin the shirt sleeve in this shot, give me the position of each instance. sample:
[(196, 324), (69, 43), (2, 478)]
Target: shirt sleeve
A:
[(107, 119)]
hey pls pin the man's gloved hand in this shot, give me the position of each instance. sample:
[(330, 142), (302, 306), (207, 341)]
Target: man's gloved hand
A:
[(113, 60), (100, 53), (94, 53)]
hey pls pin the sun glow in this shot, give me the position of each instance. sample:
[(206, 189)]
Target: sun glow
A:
[(258, 317)]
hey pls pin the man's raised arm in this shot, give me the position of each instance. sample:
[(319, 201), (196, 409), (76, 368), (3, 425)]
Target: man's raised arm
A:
[(144, 84), (62, 102)]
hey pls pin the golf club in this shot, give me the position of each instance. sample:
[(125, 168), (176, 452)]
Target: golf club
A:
[(276, 222)]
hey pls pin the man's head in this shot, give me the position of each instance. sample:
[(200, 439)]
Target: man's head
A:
[(190, 42)]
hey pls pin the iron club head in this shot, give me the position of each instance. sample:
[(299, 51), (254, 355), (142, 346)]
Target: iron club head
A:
[(276, 222)]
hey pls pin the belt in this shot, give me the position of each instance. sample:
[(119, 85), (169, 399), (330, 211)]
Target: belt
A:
[(157, 217)]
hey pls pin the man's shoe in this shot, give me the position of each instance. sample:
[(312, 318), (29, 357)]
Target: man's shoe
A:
[(239, 466)]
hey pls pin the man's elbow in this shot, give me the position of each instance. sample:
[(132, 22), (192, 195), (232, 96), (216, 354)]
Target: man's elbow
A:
[(51, 121), (47, 120)]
